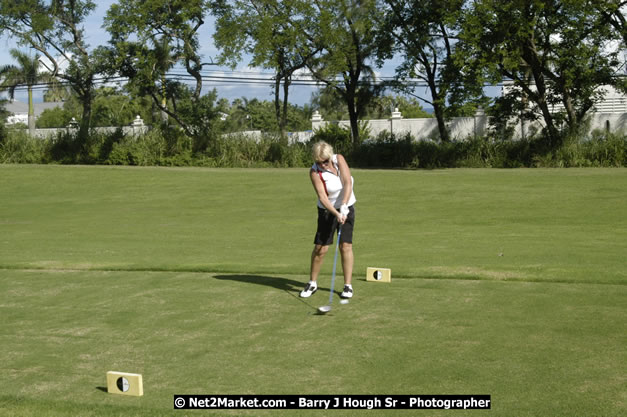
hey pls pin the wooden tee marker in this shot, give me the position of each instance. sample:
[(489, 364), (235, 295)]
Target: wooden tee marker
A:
[(379, 274), (125, 384)]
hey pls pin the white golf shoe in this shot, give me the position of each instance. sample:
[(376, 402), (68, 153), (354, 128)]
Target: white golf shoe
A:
[(347, 292), (309, 290)]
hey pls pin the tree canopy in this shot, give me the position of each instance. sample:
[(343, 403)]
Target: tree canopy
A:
[(56, 30), (552, 55), (556, 53), (28, 72)]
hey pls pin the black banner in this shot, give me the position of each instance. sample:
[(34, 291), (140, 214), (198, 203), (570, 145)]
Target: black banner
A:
[(332, 402)]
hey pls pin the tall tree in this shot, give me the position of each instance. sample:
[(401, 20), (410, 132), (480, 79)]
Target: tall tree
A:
[(56, 30), (27, 73), (424, 33), (260, 28), (150, 38), (329, 103), (410, 108), (344, 33), (553, 51), (56, 92), (612, 12), (611, 16), (3, 119)]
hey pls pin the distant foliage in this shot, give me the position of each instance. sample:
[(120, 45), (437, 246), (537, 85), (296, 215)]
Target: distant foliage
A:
[(171, 147), (387, 151), (267, 151), (336, 136), (19, 148)]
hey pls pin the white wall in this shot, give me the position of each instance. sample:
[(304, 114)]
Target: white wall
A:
[(463, 127)]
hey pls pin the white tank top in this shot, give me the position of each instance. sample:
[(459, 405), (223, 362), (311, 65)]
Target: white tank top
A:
[(333, 184)]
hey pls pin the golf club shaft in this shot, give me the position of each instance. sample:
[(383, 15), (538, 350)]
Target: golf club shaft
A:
[(337, 245)]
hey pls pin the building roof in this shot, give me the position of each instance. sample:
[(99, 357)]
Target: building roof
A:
[(19, 107)]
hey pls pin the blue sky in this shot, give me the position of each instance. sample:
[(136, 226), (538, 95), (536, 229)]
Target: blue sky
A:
[(96, 35)]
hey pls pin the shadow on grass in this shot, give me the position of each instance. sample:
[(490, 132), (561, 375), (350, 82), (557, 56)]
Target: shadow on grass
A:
[(279, 283), (290, 286), (285, 284)]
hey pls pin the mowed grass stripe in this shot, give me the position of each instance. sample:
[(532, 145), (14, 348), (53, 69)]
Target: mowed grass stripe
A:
[(461, 274), (527, 225), (558, 346), (191, 276)]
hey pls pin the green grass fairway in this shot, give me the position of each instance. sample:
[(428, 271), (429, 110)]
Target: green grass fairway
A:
[(511, 283)]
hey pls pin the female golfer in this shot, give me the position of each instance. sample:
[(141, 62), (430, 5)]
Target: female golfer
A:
[(333, 183)]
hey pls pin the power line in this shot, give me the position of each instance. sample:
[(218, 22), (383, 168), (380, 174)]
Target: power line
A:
[(218, 77), (231, 78)]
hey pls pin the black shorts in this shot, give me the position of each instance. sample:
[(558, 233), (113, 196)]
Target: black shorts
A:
[(327, 225)]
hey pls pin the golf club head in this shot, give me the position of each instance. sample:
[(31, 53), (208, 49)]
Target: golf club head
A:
[(324, 309)]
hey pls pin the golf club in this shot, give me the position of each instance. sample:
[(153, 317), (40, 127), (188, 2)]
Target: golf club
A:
[(327, 308)]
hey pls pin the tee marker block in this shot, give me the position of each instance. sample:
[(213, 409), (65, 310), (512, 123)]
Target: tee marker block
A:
[(125, 384), (379, 274)]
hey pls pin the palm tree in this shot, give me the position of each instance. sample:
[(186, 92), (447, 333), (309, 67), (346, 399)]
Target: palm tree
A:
[(26, 73)]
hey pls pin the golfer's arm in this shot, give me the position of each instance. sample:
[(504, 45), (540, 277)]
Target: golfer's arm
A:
[(345, 176), (322, 195)]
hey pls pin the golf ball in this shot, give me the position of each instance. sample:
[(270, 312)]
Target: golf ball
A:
[(344, 301)]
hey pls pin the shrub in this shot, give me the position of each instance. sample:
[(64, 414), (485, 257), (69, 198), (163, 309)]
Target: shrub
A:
[(266, 150), (336, 136), (19, 148), (65, 148), (148, 149), (169, 146)]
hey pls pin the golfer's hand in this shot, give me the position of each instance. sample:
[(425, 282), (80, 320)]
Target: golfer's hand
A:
[(344, 210), (340, 218)]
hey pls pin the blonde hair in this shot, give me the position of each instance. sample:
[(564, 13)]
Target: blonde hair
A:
[(322, 151)]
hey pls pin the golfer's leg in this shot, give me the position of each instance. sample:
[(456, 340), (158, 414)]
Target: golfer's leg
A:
[(346, 249), (317, 257)]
